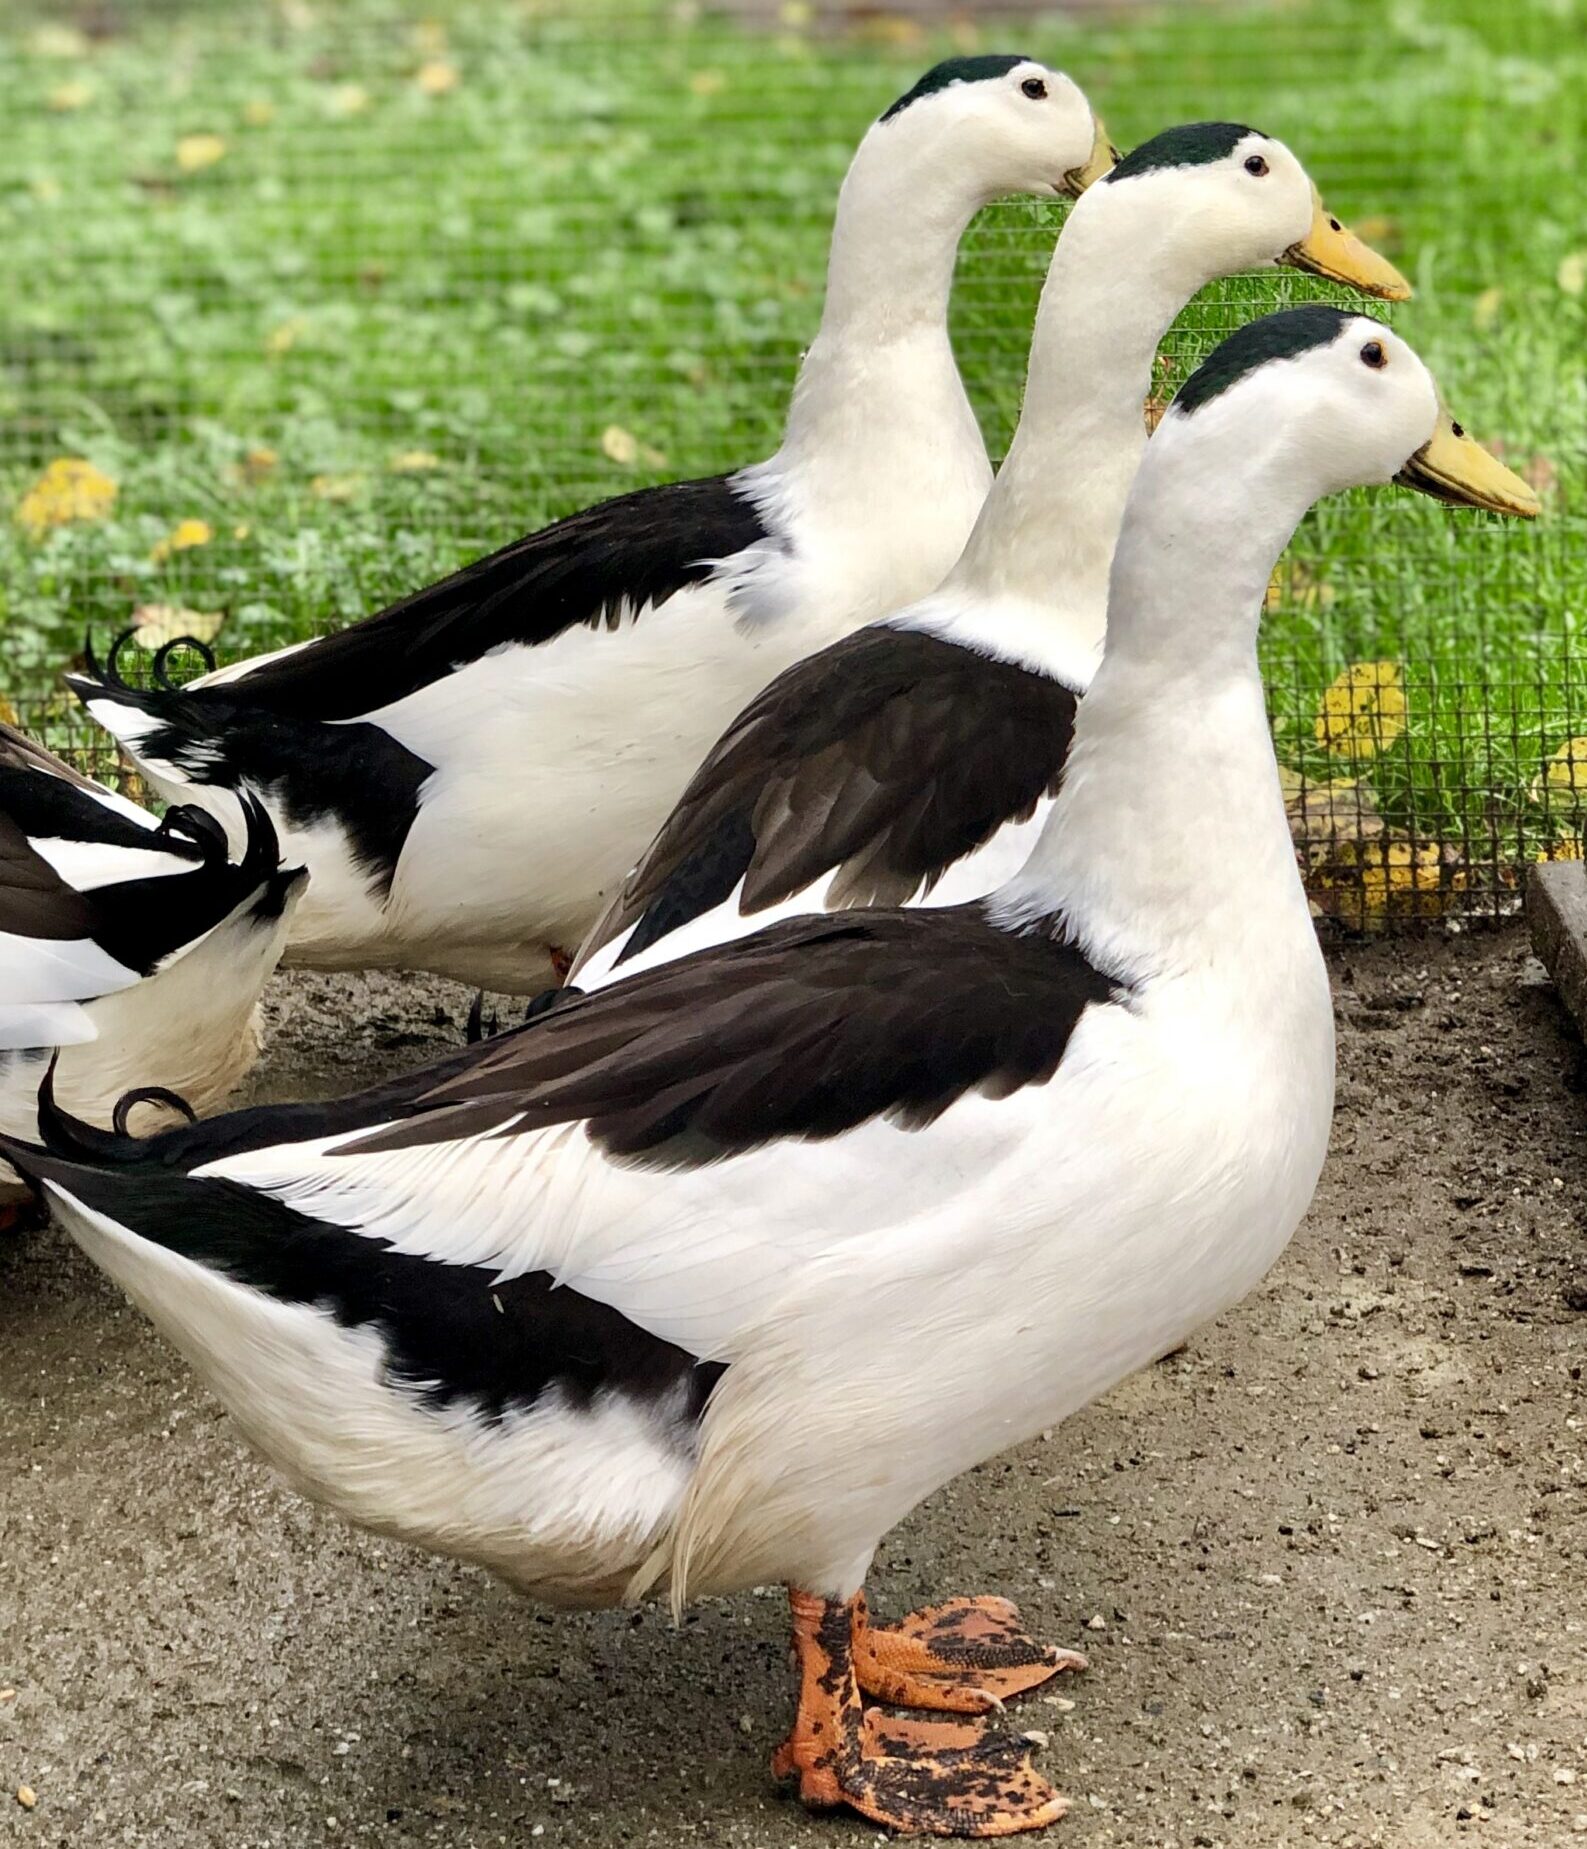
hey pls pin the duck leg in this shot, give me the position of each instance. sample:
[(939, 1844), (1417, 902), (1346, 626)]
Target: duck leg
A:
[(918, 1775), (962, 1657)]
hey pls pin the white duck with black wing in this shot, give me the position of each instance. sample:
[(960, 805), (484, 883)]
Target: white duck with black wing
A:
[(470, 774), (915, 761), (133, 951), (705, 1280)]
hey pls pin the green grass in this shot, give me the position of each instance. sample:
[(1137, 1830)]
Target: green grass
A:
[(618, 218)]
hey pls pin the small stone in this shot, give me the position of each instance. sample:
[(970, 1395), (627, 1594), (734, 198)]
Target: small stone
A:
[(745, 1724), (1036, 1737), (7, 1694), (27, 1797), (1564, 1776), (1096, 1622)]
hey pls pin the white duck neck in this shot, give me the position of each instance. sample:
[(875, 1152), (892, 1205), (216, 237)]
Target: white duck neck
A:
[(1168, 844), (882, 354), (1047, 531)]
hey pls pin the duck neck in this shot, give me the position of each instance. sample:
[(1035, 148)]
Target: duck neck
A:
[(881, 362), (1046, 533), (1168, 844)]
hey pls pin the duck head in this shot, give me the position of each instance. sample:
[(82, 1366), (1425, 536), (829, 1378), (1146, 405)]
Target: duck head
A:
[(1320, 400), (1218, 197), (995, 125)]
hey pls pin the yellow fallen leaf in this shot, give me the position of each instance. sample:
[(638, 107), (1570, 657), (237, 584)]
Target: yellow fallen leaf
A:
[(894, 30), (413, 462), (183, 537), (1323, 816), (1565, 773), (436, 77), (620, 444), (241, 530), (65, 97), (8, 716), (27, 1797), (196, 152), (336, 487), (58, 42), (284, 338), (1567, 847), (258, 463), (1572, 272), (1370, 885), (155, 624), (1377, 230), (707, 83), (349, 99), (1363, 712), (69, 489), (1296, 584), (1485, 310), (259, 112)]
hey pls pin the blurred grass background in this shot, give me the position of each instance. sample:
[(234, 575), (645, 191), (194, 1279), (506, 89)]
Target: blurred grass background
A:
[(348, 293)]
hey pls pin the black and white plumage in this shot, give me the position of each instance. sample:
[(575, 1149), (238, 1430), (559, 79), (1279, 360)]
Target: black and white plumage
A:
[(135, 949), (469, 774), (865, 772), (729, 1264), (915, 761), (509, 1375)]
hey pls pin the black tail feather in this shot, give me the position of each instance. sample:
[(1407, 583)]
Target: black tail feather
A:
[(75, 1140), (128, 1102), (113, 675), (164, 652)]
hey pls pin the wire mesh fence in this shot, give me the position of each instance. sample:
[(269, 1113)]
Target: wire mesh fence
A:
[(310, 303)]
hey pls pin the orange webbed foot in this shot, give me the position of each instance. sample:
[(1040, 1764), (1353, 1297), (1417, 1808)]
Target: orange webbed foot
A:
[(917, 1774), (965, 1656)]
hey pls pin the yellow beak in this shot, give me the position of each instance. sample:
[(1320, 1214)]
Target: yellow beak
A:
[(1330, 250), (1102, 159), (1456, 468)]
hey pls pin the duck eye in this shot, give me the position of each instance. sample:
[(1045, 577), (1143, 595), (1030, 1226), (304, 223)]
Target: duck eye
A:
[(1256, 165), (1034, 88), (1374, 356), (1458, 429)]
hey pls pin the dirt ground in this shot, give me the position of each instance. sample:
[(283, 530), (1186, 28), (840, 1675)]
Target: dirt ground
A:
[(1329, 1563)]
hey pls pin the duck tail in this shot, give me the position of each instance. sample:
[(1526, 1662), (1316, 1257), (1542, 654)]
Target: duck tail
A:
[(73, 1139), (162, 727)]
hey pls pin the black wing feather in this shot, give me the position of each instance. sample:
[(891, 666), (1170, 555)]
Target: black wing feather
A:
[(806, 1029), (883, 759), (635, 550)]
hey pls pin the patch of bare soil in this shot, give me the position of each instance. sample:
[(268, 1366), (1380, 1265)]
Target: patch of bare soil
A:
[(1328, 1563)]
